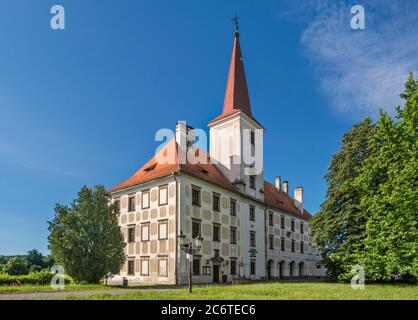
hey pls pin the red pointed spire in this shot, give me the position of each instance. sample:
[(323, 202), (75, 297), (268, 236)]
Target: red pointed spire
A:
[(236, 95)]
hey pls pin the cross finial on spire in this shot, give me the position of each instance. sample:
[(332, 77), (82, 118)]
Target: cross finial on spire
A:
[(235, 19)]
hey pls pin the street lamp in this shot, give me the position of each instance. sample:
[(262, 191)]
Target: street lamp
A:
[(190, 248), (242, 266)]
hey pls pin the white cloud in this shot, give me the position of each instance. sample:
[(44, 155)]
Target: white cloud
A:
[(31, 161), (363, 70)]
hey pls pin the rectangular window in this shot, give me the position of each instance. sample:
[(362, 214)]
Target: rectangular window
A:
[(145, 232), (252, 137), (233, 235), (252, 213), (131, 203), (271, 242), (163, 195), (252, 182), (252, 239), (216, 232), (131, 233), (271, 223), (293, 245), (145, 267), (292, 225), (196, 266), (117, 206), (131, 267), (145, 199), (196, 196), (233, 207), (301, 228), (252, 267), (233, 266), (216, 202), (282, 224), (195, 228), (282, 244), (302, 249), (206, 270), (163, 230), (162, 267)]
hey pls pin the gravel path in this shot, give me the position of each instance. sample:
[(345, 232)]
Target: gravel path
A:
[(63, 294)]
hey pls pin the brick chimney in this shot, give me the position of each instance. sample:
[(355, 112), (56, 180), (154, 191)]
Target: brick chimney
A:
[(278, 183), (298, 198), (286, 187)]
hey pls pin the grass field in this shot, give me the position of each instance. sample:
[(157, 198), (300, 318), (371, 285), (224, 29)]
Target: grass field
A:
[(286, 290), (277, 290), (47, 288)]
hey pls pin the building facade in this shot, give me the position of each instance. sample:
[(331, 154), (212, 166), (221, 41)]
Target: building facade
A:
[(250, 228)]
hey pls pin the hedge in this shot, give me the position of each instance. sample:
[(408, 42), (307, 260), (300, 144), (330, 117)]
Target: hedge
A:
[(43, 277)]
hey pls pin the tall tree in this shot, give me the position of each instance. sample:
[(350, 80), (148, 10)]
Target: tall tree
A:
[(16, 266), (389, 184), (339, 226), (85, 237), (35, 260)]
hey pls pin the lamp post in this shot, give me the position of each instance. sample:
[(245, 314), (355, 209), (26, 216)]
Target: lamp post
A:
[(242, 266), (191, 249)]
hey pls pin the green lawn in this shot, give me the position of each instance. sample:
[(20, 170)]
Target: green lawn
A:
[(277, 290), (45, 288)]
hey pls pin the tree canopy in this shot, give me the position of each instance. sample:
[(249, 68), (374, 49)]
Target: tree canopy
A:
[(339, 226), (85, 237), (370, 215)]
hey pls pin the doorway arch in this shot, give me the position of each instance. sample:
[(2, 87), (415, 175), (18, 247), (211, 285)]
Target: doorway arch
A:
[(301, 269), (280, 266), (270, 267), (292, 269)]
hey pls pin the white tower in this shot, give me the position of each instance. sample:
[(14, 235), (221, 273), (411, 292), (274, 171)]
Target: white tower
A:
[(236, 137)]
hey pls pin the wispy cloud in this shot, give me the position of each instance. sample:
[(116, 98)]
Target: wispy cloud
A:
[(362, 70), (30, 161)]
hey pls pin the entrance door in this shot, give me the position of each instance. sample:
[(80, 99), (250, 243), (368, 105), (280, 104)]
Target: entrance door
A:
[(216, 273)]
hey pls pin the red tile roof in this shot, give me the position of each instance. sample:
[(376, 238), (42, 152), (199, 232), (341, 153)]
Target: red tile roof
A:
[(280, 200), (153, 170), (207, 172)]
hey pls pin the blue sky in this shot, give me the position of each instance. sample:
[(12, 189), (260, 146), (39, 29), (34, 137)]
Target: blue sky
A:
[(82, 105)]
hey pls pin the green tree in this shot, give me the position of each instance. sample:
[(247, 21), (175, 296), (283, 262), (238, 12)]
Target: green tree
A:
[(48, 261), (85, 237), (35, 260), (339, 226), (388, 184), (16, 266)]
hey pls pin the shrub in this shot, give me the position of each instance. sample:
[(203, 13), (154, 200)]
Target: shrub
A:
[(36, 278)]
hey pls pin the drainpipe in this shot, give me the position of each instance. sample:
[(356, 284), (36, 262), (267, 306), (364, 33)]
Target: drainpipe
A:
[(176, 228), (265, 243)]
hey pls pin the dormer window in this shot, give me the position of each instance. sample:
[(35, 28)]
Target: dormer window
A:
[(202, 170), (150, 168)]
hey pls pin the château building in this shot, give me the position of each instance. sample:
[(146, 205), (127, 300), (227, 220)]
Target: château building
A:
[(250, 227)]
